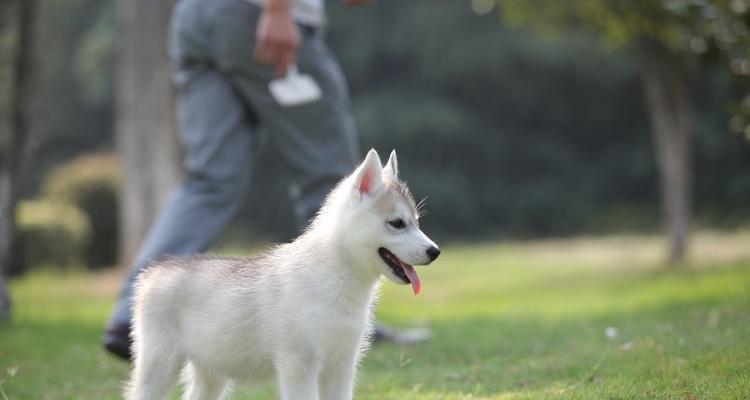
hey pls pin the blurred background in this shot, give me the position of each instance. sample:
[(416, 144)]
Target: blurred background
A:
[(515, 124), (521, 121)]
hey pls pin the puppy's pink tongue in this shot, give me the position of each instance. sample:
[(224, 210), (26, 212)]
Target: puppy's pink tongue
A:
[(413, 278)]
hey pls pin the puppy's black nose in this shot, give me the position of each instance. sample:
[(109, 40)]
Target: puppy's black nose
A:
[(433, 253)]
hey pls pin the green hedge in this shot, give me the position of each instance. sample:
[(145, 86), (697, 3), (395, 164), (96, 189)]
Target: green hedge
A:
[(92, 183), (50, 234)]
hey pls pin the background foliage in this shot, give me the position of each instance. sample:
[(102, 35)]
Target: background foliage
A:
[(91, 183), (508, 133), (50, 234)]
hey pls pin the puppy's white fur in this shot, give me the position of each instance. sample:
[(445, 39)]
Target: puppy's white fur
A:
[(300, 312)]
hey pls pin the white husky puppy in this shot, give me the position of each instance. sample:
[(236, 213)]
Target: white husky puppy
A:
[(300, 312)]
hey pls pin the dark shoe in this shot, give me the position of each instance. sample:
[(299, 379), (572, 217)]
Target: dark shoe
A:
[(401, 337), (117, 340)]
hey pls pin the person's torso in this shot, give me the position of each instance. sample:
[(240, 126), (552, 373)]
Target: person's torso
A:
[(305, 12)]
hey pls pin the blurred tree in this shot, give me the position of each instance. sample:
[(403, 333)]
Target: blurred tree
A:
[(145, 125), (15, 149), (666, 36), (75, 83)]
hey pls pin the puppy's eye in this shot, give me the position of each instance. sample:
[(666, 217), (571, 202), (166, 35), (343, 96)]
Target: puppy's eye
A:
[(397, 223)]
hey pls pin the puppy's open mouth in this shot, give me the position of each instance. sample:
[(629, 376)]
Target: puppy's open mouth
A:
[(404, 271)]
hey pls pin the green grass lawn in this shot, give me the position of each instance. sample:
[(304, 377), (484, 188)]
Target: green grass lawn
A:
[(519, 320)]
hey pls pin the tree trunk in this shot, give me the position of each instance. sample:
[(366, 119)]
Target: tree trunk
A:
[(665, 87), (7, 230), (145, 125), (17, 147)]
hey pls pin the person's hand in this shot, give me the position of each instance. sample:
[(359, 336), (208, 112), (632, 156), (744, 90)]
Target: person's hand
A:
[(357, 2), (278, 40)]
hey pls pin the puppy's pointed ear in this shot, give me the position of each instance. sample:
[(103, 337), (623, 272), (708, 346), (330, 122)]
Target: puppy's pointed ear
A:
[(368, 177), (390, 171)]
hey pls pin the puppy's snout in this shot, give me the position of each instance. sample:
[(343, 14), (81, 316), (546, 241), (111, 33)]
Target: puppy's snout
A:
[(433, 252)]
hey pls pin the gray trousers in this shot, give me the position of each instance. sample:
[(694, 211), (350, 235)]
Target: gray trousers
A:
[(223, 99)]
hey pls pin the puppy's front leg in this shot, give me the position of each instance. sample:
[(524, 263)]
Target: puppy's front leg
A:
[(337, 380), (298, 379)]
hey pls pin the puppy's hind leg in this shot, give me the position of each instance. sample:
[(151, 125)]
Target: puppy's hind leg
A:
[(202, 384), (156, 369)]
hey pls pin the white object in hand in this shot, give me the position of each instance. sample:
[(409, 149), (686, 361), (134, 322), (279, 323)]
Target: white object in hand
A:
[(294, 89)]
